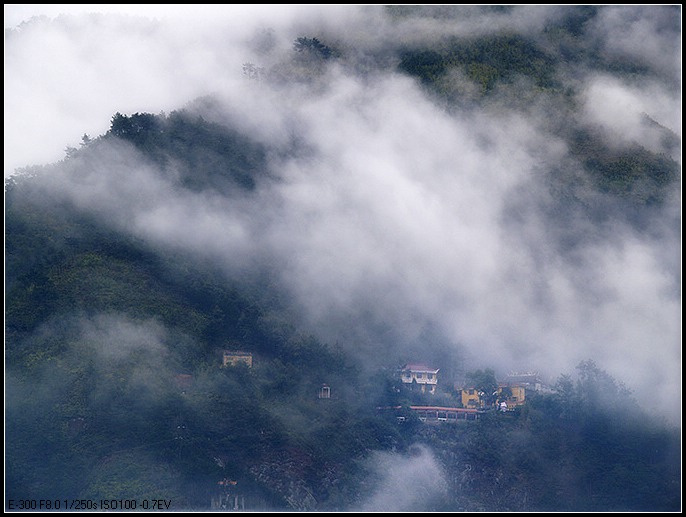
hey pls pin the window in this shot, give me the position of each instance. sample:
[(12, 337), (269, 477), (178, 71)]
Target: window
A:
[(420, 375), (471, 392), (429, 375)]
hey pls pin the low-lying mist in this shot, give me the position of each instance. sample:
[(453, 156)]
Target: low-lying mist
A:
[(382, 216)]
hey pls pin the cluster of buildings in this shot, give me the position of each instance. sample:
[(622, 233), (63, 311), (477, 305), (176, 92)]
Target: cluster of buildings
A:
[(510, 393)]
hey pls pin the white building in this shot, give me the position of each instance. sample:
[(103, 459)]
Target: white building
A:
[(531, 381), (420, 376), (325, 391)]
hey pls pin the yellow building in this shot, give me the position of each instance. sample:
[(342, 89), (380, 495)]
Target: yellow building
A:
[(470, 398), (510, 396), (518, 394), (233, 357)]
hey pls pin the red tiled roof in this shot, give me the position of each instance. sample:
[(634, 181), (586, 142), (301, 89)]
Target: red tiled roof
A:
[(419, 367), (440, 408)]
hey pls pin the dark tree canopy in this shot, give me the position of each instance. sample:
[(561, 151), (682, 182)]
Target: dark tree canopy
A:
[(485, 383), (312, 46)]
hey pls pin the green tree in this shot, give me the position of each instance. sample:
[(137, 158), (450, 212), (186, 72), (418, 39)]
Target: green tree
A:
[(597, 390), (312, 46), (485, 383), (505, 393)]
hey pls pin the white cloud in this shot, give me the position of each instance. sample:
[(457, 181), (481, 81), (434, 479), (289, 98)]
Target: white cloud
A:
[(405, 483), (393, 212), (70, 72), (644, 35), (619, 108)]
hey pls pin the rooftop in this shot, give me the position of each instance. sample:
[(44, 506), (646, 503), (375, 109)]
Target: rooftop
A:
[(419, 367), (527, 377)]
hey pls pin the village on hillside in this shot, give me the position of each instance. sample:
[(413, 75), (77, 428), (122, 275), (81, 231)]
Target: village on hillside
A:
[(469, 400), (417, 382)]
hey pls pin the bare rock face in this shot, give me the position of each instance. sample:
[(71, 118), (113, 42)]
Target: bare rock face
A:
[(284, 473)]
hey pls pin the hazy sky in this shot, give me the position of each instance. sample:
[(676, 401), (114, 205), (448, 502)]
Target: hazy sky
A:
[(66, 78), (401, 215)]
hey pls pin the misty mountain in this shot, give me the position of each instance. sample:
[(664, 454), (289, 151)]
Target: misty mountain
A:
[(480, 188)]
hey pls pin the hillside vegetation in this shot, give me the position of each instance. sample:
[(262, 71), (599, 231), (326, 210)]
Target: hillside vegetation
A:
[(114, 381)]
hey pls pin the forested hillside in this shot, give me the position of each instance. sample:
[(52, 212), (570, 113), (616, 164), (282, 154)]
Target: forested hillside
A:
[(134, 262)]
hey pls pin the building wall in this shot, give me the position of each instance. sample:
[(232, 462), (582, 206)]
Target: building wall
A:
[(426, 380), (518, 395), (421, 377), (325, 392), (470, 397), (233, 358)]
